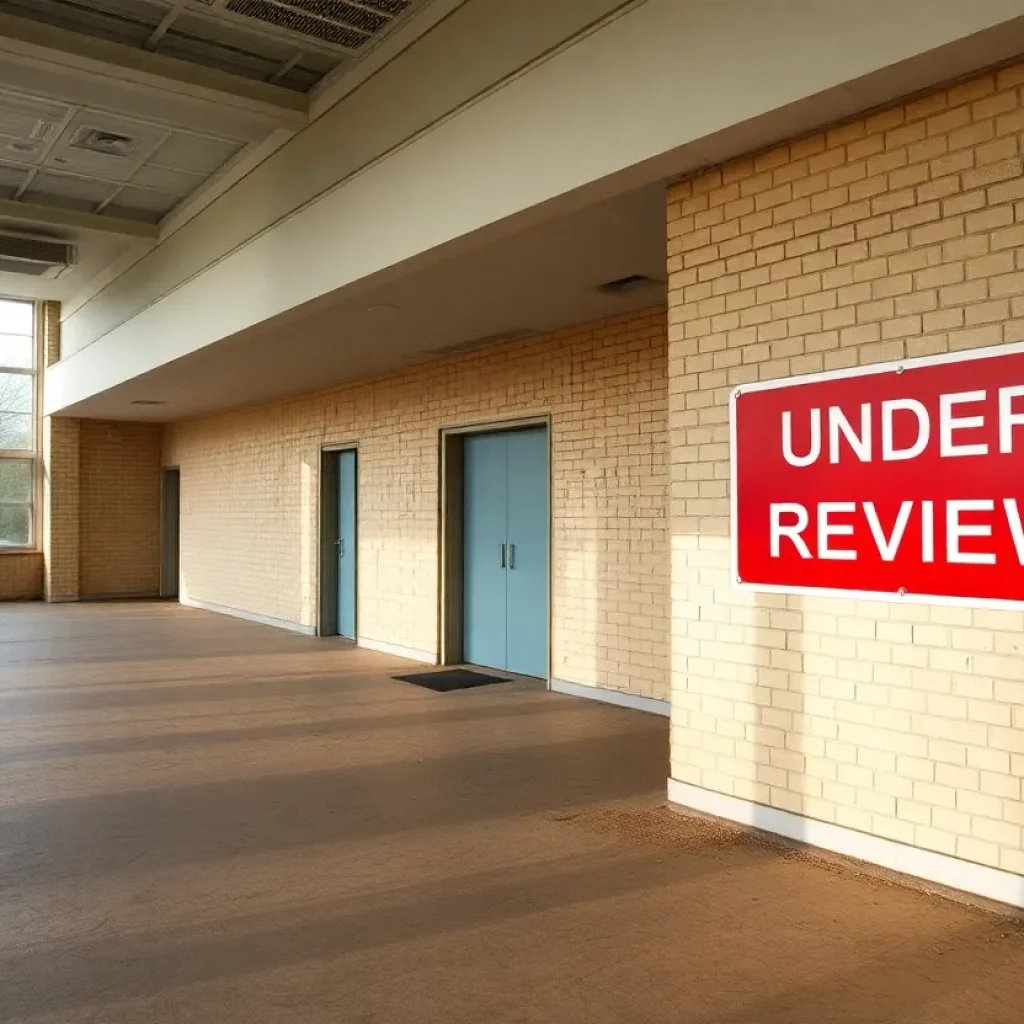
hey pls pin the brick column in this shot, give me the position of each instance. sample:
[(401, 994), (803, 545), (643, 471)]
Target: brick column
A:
[(61, 500), (50, 315), (61, 503)]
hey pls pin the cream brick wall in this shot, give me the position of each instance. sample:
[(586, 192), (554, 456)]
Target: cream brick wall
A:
[(119, 508), (50, 322), (61, 504), (21, 576), (249, 484), (101, 500), (898, 234)]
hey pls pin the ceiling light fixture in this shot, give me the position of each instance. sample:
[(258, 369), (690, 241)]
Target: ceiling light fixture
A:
[(148, 401)]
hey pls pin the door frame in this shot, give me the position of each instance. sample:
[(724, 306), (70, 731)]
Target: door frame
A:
[(327, 536), (169, 589), (450, 618)]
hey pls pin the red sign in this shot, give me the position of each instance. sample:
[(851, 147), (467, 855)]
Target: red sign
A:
[(897, 480)]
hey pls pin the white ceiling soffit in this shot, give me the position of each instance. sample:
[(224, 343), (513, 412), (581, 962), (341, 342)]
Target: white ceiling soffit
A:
[(552, 275), (293, 44)]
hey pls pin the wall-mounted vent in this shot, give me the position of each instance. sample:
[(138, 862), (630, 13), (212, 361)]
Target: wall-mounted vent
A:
[(25, 269), (490, 339), (96, 140), (631, 283), (33, 256)]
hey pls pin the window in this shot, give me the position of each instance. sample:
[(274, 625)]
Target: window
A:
[(18, 427)]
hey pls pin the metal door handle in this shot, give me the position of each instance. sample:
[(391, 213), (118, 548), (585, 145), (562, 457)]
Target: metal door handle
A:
[(503, 556), (341, 547), (511, 556)]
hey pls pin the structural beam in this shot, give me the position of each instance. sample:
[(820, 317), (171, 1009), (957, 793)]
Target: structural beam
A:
[(11, 210)]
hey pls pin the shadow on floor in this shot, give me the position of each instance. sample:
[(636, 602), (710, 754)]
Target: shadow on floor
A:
[(59, 977), (147, 829), (318, 729)]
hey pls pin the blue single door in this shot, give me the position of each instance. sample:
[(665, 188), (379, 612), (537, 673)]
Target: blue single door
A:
[(505, 556), (485, 554), (527, 617), (347, 544)]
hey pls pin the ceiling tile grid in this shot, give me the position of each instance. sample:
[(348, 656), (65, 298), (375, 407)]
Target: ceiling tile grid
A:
[(94, 161), (291, 43)]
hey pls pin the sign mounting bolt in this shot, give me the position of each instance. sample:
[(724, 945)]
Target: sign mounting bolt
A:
[(899, 369), (903, 591), (739, 579)]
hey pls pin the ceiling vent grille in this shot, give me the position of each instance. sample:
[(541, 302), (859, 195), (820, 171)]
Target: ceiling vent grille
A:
[(289, 17), (387, 6), (289, 43), (96, 140), (34, 256), (343, 13)]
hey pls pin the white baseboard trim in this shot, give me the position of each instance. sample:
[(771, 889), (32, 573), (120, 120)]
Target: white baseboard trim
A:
[(622, 698), (237, 613), (991, 883), (397, 650)]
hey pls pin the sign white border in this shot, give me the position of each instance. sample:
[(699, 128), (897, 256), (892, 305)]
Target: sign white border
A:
[(898, 366)]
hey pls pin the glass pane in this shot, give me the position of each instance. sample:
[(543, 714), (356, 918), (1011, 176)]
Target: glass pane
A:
[(15, 432), (15, 317), (15, 392), (15, 480), (16, 351), (15, 525)]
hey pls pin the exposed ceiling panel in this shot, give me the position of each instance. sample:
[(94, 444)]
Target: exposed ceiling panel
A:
[(163, 179), (94, 161), (25, 118), (11, 177), (130, 22), (141, 203), (199, 154), (292, 43), (68, 190)]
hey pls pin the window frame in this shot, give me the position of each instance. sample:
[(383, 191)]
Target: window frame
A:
[(31, 455)]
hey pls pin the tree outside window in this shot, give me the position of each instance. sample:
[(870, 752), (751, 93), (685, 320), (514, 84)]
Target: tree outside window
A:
[(18, 424)]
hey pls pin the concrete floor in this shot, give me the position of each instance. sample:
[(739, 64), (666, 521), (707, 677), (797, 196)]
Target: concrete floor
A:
[(206, 820)]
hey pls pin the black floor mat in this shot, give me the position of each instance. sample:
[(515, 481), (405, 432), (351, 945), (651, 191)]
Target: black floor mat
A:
[(451, 679)]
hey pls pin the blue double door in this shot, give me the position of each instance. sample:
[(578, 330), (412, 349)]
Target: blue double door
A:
[(505, 551)]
